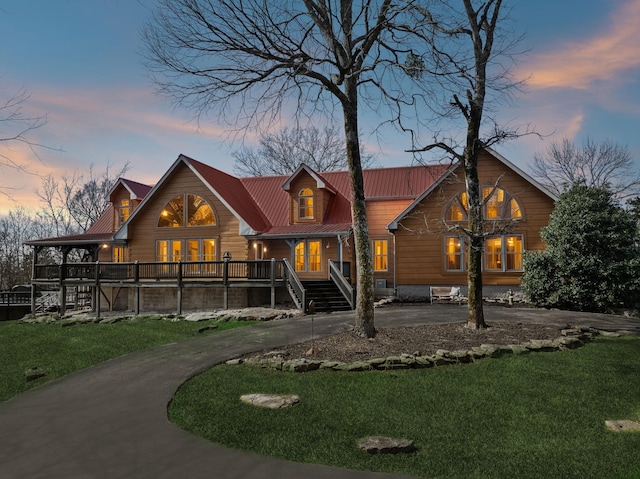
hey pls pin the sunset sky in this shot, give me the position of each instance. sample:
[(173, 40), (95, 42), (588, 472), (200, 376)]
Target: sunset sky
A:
[(80, 62)]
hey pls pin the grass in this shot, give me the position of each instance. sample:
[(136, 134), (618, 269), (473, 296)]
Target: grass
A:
[(539, 415), (59, 351)]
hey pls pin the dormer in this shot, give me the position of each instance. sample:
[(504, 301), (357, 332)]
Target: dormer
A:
[(125, 196), (309, 196)]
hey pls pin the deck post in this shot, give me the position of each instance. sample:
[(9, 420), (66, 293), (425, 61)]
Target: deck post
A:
[(62, 306), (136, 279), (97, 288), (273, 283), (36, 249), (179, 287), (225, 279)]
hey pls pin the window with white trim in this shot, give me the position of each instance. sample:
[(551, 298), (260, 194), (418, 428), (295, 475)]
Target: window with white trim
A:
[(380, 255), (454, 254), (308, 256), (197, 212), (197, 249), (124, 210), (305, 204), (498, 205), (504, 253)]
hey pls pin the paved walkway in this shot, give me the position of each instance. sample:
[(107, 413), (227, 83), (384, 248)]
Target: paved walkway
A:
[(110, 421)]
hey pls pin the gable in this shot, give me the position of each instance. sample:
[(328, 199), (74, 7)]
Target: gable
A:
[(492, 169)]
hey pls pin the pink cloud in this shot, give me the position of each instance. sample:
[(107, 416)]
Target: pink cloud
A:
[(604, 57)]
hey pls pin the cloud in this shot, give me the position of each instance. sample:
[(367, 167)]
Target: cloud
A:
[(604, 57)]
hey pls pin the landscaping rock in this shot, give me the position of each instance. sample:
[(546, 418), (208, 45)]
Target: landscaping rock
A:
[(200, 316), (36, 372), (204, 329), (622, 425), (270, 401), (386, 445), (234, 362)]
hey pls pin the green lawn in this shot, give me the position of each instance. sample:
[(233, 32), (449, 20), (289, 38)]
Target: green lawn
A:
[(533, 416), (59, 351)]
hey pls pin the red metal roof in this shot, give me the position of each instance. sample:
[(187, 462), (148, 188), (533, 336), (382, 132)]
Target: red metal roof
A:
[(139, 190), (232, 192), (104, 224)]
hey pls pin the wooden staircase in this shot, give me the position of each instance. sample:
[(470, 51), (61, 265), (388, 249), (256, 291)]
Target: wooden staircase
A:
[(326, 296)]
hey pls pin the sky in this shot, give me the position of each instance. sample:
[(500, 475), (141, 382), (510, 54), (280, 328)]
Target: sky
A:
[(80, 62)]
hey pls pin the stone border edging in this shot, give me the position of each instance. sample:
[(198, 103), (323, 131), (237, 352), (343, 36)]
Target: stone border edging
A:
[(571, 338)]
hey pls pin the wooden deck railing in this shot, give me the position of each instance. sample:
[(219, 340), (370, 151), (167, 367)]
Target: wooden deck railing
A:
[(8, 298), (260, 270)]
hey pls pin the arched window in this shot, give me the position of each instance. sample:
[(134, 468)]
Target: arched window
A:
[(198, 212), (305, 204), (498, 205)]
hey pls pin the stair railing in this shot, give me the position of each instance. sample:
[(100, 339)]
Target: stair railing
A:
[(294, 286), (335, 275)]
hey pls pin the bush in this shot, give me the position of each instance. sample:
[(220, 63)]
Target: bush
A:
[(591, 262)]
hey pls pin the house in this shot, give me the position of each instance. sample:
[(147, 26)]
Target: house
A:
[(207, 239)]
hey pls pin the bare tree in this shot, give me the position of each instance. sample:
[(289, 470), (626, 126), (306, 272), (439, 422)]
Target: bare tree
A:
[(244, 59), (465, 65), (280, 153), (15, 258), (73, 203), (15, 127), (602, 163)]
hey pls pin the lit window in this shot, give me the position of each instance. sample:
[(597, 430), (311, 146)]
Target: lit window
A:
[(172, 215), (457, 209), (380, 255), (305, 204), (168, 250), (308, 256), (498, 205), (453, 253), (118, 254), (315, 255), (504, 253), (199, 212), (299, 257), (124, 210)]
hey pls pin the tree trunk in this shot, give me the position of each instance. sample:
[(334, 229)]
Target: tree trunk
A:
[(364, 325), (475, 318)]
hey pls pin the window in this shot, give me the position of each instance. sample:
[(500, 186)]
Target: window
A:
[(457, 210), (118, 254), (169, 250), (196, 250), (124, 210), (308, 256), (380, 255), (498, 205), (198, 212), (504, 253), (305, 204), (453, 253)]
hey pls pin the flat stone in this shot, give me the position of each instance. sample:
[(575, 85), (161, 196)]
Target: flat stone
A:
[(270, 401), (200, 316), (36, 372), (234, 362), (622, 425), (386, 445)]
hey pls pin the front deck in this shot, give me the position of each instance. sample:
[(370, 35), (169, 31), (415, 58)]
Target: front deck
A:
[(214, 274)]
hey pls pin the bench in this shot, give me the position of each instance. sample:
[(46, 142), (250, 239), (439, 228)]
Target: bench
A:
[(449, 293)]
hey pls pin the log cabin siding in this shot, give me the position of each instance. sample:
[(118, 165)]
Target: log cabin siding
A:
[(420, 235), (379, 215), (321, 198), (144, 230)]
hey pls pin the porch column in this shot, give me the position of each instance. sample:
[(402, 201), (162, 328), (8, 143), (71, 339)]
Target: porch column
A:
[(36, 250), (273, 283)]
